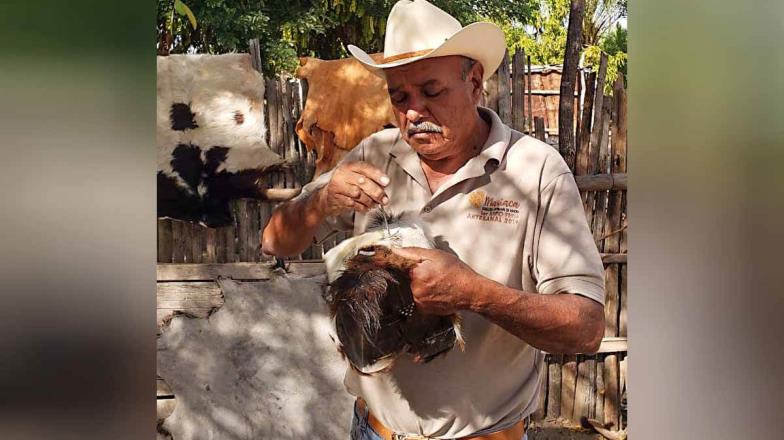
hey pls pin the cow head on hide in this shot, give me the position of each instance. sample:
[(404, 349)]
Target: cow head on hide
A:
[(210, 136), (371, 303), (345, 104)]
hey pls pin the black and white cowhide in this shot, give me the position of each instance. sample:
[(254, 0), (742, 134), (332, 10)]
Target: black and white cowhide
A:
[(210, 136)]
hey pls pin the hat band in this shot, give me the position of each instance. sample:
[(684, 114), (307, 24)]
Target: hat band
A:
[(405, 55)]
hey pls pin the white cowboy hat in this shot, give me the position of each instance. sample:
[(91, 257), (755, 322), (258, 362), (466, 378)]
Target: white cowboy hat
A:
[(417, 30)]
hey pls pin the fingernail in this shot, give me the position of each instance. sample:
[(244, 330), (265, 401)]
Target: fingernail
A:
[(384, 180), (385, 200), (361, 180)]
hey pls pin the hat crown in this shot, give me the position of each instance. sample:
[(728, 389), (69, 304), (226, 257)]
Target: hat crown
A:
[(417, 25)]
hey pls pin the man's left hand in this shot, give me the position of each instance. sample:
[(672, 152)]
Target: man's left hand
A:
[(440, 282)]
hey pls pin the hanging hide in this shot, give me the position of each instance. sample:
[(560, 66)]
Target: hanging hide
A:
[(371, 303), (210, 136), (345, 104)]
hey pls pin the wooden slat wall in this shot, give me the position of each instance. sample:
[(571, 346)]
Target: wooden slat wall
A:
[(572, 386)]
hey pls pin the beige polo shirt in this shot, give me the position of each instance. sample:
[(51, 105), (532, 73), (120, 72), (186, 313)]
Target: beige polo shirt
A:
[(513, 213)]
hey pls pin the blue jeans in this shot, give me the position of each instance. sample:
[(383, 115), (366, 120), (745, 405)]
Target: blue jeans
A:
[(361, 429)]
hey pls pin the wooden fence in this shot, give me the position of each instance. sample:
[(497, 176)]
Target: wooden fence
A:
[(575, 386)]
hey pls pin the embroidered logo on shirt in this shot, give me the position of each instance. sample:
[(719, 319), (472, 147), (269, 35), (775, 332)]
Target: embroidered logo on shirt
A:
[(492, 209)]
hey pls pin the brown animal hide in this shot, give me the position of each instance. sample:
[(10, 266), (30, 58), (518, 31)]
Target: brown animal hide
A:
[(345, 104), (375, 317)]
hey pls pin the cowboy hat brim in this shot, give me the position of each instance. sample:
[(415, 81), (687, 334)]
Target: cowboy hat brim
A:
[(482, 41)]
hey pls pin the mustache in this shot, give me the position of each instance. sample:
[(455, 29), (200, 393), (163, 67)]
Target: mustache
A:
[(423, 127)]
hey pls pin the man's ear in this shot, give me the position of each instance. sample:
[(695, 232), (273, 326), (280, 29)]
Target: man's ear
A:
[(477, 85)]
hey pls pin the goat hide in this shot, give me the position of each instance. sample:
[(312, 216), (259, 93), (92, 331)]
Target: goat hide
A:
[(345, 104), (371, 303)]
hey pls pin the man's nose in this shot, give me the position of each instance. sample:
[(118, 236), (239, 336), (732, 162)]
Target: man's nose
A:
[(416, 109)]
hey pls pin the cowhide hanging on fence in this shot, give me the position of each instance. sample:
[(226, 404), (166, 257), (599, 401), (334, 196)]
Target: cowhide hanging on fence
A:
[(210, 136)]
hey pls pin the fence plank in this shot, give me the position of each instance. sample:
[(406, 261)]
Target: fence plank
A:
[(230, 240), (539, 128), (554, 386), (598, 408), (178, 242), (530, 94), (491, 93), (602, 182), (518, 90), (239, 271), (602, 166), (611, 397), (164, 240), (504, 97), (597, 107), (580, 391), (198, 299), (584, 138), (623, 314), (568, 384)]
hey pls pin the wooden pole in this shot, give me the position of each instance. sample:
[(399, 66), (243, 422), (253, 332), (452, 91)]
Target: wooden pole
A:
[(568, 383), (504, 98), (530, 100), (254, 49), (164, 241), (539, 128), (518, 91), (598, 104), (554, 386), (584, 138), (566, 144)]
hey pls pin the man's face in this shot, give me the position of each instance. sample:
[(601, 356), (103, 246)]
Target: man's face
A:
[(435, 106)]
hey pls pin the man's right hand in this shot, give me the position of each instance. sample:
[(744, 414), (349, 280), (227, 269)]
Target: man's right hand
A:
[(354, 186)]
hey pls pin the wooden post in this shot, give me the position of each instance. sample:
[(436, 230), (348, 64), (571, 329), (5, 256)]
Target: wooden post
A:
[(584, 138), (602, 166), (270, 91), (504, 98), (210, 252), (582, 394), (492, 93), (598, 104), (568, 384), (539, 128), (230, 237), (197, 242), (254, 49), (554, 386), (530, 100), (611, 395), (164, 241), (566, 144), (518, 91), (598, 408)]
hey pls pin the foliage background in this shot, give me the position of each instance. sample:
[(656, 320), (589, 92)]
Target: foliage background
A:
[(288, 29)]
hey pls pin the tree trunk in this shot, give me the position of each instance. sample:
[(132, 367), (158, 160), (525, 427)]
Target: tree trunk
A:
[(568, 81)]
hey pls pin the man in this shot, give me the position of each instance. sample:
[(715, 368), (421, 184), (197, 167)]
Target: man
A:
[(515, 256)]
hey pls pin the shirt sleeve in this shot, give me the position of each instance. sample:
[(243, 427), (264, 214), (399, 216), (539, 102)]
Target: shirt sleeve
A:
[(343, 222), (566, 259)]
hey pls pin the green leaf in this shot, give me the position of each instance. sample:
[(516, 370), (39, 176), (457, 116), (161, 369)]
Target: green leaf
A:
[(184, 10)]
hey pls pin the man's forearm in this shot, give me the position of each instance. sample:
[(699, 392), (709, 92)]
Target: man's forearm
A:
[(292, 226), (562, 323)]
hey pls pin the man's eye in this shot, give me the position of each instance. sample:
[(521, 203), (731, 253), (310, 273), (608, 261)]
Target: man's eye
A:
[(399, 98), (433, 93)]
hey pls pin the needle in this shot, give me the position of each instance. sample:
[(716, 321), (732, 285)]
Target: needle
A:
[(386, 222)]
